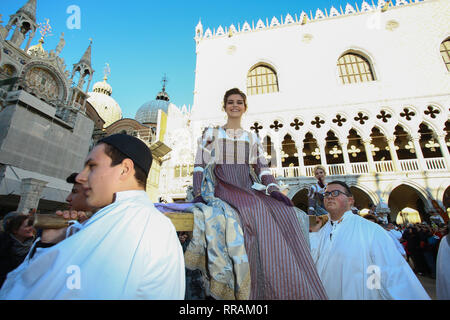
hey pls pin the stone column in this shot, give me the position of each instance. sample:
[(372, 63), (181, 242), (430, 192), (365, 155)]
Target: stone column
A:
[(348, 166), (393, 153), (30, 37), (278, 147), (419, 153), (30, 193), (323, 155), (301, 162), (369, 156), (444, 149)]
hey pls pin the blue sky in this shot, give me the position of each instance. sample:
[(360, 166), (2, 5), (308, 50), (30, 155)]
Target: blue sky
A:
[(144, 39)]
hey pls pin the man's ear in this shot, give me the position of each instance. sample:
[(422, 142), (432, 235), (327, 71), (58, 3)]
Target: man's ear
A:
[(352, 201), (127, 167)]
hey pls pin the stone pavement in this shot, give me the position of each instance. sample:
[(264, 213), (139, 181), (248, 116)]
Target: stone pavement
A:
[(429, 285)]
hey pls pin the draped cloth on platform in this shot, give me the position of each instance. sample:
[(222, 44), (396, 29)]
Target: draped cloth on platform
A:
[(273, 234)]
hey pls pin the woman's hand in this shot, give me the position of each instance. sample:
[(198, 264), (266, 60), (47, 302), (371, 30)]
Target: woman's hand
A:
[(199, 199), (281, 197)]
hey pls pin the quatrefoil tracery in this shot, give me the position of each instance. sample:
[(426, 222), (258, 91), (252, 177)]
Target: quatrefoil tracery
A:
[(384, 116), (256, 127), (276, 125), (432, 112), (361, 118), (318, 122), (297, 124), (339, 120), (408, 114)]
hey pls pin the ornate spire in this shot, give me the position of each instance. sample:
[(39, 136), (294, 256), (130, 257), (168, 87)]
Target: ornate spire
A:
[(87, 55), (29, 9)]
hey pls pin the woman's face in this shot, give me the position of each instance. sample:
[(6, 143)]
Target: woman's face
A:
[(319, 174), (25, 231), (235, 106)]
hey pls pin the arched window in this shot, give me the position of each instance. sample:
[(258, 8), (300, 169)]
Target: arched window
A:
[(262, 79), (354, 68), (445, 53)]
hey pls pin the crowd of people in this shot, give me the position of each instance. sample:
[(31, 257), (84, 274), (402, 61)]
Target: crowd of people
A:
[(249, 240), (418, 242)]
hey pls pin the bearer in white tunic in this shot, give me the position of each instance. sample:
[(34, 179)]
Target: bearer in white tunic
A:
[(355, 258), (443, 270), (127, 250)]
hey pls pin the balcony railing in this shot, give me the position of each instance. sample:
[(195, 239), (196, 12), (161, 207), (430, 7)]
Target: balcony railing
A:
[(410, 165), (435, 164)]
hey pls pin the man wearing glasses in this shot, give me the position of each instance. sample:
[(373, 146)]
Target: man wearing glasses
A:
[(355, 258)]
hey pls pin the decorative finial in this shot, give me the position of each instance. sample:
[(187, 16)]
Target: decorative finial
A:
[(164, 82), (45, 29), (106, 71), (90, 41)]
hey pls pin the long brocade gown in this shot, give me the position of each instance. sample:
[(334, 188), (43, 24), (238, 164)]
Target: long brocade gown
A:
[(280, 262)]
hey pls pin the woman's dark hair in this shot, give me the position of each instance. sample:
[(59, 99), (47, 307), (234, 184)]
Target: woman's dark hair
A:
[(13, 224), (117, 157), (234, 91)]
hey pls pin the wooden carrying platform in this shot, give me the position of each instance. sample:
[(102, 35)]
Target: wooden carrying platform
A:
[(184, 221)]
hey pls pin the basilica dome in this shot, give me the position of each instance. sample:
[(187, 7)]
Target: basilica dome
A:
[(148, 112), (104, 104)]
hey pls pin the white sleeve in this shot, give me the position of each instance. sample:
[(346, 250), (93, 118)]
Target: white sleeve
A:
[(314, 241), (164, 278), (398, 281)]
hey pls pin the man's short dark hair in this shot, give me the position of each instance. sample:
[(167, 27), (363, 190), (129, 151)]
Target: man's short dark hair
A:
[(343, 184), (117, 157)]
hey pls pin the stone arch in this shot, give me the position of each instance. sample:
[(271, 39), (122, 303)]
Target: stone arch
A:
[(355, 147), (363, 197), (300, 197), (62, 86), (333, 150), (446, 198), (404, 194), (311, 148), (9, 69), (403, 142), (288, 151), (379, 145), (428, 143), (269, 150)]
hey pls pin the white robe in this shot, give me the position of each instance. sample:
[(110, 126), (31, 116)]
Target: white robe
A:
[(361, 262), (443, 270), (396, 238), (128, 250)]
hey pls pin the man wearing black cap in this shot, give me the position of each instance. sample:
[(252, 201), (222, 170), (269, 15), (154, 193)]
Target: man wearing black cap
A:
[(77, 197), (127, 250)]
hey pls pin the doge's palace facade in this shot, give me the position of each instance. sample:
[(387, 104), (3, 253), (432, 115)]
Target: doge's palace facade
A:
[(363, 90)]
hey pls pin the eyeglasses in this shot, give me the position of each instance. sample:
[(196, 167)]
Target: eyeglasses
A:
[(335, 194)]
